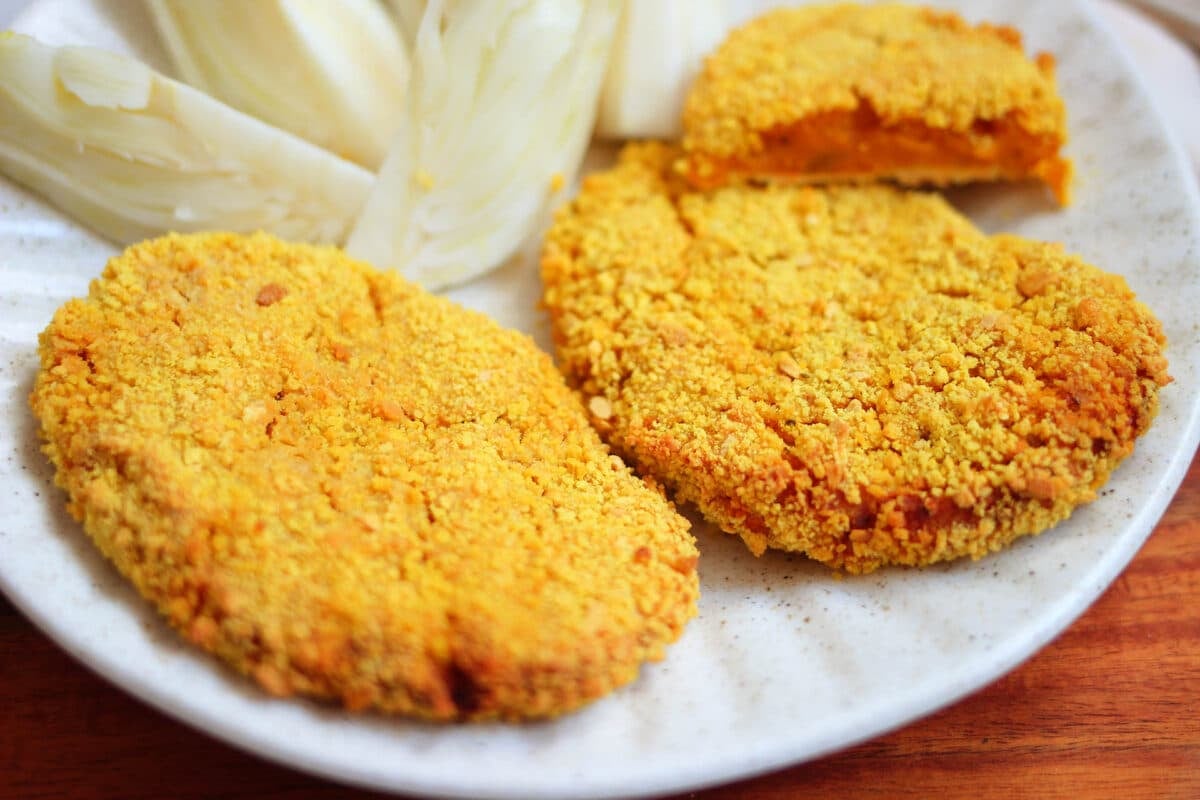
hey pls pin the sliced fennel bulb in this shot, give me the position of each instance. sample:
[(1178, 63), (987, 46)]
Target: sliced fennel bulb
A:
[(333, 73), (408, 14), (500, 108), (133, 154), (659, 49)]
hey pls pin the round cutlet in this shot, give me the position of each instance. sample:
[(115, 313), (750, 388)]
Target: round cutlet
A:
[(856, 373), (349, 488)]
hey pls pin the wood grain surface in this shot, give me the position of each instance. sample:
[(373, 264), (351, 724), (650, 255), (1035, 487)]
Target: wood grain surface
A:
[(1111, 709)]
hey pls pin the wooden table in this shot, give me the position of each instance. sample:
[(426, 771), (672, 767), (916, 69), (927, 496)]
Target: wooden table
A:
[(1109, 710)]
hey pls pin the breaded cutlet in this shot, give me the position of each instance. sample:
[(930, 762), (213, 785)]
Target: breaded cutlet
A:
[(348, 488), (856, 373), (850, 92)]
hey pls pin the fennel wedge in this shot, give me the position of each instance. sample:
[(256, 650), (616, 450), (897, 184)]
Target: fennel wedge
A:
[(133, 154), (660, 47), (500, 108), (333, 73)]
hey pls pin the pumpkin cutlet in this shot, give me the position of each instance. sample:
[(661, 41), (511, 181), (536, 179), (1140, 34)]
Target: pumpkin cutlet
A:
[(856, 373), (348, 488), (852, 92)]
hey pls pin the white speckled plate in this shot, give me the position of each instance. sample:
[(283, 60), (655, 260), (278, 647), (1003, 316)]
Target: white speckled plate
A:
[(783, 663)]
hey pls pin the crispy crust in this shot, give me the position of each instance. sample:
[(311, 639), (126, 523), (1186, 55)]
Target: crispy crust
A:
[(348, 488), (855, 373), (914, 74)]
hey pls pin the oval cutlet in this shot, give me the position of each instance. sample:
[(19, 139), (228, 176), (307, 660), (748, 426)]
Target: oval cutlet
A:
[(349, 488), (856, 373)]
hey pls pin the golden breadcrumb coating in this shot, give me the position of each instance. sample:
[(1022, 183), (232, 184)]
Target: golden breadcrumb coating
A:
[(348, 488), (849, 91), (853, 372)]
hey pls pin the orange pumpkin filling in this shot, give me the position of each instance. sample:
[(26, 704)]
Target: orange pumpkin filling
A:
[(859, 144)]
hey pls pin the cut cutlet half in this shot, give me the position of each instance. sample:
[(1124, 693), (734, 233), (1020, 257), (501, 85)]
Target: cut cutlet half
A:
[(858, 93)]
